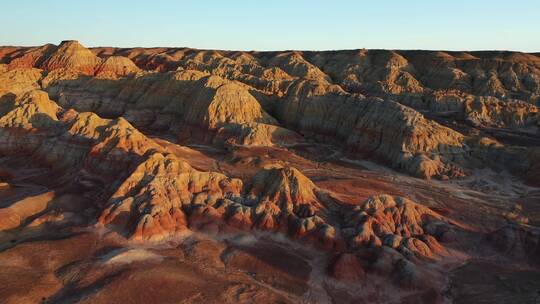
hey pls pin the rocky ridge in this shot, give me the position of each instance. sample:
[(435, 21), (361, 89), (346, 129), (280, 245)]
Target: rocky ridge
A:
[(86, 113), (154, 195), (320, 95)]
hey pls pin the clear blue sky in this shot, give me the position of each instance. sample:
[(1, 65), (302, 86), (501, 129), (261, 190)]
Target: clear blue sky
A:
[(277, 24)]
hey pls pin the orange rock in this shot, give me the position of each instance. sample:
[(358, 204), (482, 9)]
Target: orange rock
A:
[(397, 223), (71, 54), (116, 66)]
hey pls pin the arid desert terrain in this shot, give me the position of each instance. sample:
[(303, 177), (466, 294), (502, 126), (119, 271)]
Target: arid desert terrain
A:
[(178, 175)]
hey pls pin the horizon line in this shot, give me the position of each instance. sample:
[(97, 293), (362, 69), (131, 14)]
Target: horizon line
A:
[(280, 50)]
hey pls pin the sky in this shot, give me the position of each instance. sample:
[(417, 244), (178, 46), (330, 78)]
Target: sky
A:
[(277, 24)]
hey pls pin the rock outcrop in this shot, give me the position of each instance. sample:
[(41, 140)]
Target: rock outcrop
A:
[(256, 134), (186, 102), (116, 66), (18, 81), (157, 190), (382, 129), (405, 75), (32, 110), (165, 196), (226, 97), (68, 138), (70, 54), (150, 203), (398, 223), (314, 109), (31, 57)]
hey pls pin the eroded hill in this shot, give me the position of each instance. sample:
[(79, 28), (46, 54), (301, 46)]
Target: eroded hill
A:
[(342, 176)]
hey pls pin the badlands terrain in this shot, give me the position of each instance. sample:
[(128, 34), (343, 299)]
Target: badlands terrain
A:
[(177, 175)]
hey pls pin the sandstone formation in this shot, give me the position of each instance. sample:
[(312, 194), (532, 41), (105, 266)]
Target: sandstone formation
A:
[(142, 144), (256, 134), (310, 102), (176, 196), (33, 57), (32, 110), (397, 223), (116, 66), (154, 205), (72, 55), (383, 129), (72, 139), (18, 81), (17, 214)]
